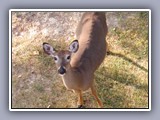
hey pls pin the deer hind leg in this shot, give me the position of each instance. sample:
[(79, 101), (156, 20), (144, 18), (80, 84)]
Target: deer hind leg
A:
[(94, 92)]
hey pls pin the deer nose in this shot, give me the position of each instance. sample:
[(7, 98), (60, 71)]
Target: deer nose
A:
[(61, 70)]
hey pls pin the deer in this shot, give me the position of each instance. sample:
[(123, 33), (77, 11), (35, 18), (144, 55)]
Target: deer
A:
[(77, 64)]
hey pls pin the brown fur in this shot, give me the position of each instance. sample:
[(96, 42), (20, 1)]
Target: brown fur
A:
[(91, 34), (79, 71)]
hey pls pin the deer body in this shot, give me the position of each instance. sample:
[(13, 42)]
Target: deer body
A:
[(91, 34), (86, 54)]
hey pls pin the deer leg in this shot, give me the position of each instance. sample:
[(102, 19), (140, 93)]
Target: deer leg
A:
[(93, 90), (80, 99)]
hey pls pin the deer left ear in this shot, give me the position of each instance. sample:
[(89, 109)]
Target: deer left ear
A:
[(73, 47)]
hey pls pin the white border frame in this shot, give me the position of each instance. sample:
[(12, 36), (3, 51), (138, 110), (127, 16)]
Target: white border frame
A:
[(75, 10)]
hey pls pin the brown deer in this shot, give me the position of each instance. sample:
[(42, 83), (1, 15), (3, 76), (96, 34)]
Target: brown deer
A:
[(78, 64)]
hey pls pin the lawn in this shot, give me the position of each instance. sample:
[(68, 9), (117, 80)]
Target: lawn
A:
[(121, 80)]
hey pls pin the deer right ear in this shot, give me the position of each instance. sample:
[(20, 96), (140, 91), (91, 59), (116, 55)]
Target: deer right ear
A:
[(74, 46), (48, 49)]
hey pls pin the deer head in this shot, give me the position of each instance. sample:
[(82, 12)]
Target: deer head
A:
[(62, 58)]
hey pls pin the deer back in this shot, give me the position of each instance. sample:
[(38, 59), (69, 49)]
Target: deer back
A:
[(91, 34)]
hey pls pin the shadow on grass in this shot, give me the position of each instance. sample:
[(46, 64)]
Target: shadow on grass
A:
[(124, 78), (112, 93), (127, 59)]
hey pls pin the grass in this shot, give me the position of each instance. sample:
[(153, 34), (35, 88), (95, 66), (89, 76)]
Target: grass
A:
[(121, 80)]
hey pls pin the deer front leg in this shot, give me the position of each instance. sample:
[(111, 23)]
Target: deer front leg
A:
[(80, 99)]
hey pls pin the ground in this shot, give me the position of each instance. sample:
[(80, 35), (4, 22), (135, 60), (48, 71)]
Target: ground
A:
[(121, 80)]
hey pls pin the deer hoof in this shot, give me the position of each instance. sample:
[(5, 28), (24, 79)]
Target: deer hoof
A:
[(81, 106)]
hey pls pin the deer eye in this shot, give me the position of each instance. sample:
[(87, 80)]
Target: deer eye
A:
[(68, 57), (55, 58)]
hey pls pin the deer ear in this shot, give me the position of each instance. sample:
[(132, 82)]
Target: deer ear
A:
[(48, 49), (73, 47)]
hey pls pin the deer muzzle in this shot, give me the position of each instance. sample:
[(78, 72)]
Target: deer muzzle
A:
[(62, 70)]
